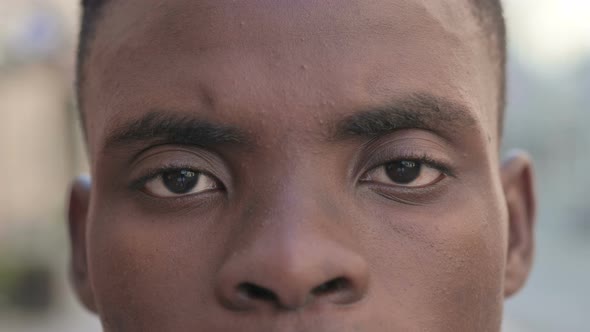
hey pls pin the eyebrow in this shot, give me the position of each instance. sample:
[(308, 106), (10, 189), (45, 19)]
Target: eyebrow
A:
[(173, 128), (418, 111)]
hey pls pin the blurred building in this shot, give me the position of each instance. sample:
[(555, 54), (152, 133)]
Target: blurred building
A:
[(40, 149)]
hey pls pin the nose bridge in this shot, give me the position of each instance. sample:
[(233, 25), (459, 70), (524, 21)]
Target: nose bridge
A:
[(301, 215), (290, 191), (295, 254), (301, 204), (302, 190)]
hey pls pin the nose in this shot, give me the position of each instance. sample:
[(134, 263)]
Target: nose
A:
[(290, 271)]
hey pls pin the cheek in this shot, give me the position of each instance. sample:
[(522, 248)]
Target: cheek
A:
[(444, 268), (469, 265), (148, 271)]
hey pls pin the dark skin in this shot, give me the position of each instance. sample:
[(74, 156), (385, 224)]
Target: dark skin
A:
[(297, 166)]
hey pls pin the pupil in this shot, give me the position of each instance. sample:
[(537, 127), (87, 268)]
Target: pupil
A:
[(403, 172), (180, 182)]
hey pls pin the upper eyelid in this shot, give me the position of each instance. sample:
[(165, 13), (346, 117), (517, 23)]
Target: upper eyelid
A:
[(165, 158), (203, 157), (157, 172), (184, 156), (425, 159), (404, 159), (405, 144)]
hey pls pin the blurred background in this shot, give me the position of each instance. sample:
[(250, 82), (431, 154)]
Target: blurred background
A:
[(41, 150)]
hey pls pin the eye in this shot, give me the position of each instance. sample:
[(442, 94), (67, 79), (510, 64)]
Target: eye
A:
[(180, 182), (405, 173)]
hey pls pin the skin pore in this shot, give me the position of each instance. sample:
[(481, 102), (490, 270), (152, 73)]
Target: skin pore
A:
[(296, 166)]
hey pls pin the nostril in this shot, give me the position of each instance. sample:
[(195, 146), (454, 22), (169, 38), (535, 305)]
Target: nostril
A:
[(255, 292), (333, 286)]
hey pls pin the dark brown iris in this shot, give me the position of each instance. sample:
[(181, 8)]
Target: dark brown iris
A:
[(403, 172), (180, 181)]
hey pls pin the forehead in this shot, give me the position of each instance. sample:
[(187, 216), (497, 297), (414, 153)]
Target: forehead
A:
[(287, 60)]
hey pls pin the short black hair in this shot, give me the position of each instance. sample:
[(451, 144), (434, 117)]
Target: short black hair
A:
[(489, 14), (91, 12)]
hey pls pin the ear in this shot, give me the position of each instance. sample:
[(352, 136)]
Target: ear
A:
[(77, 221), (518, 183)]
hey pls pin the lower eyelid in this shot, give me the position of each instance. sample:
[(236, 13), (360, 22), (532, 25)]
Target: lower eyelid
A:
[(416, 196), (180, 204)]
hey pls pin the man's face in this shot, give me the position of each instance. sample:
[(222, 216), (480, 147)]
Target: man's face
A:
[(293, 166)]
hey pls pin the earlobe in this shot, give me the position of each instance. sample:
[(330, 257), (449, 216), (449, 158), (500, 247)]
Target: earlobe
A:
[(518, 184), (77, 222)]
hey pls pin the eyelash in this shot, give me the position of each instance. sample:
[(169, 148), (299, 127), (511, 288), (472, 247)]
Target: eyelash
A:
[(423, 158), (158, 171)]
